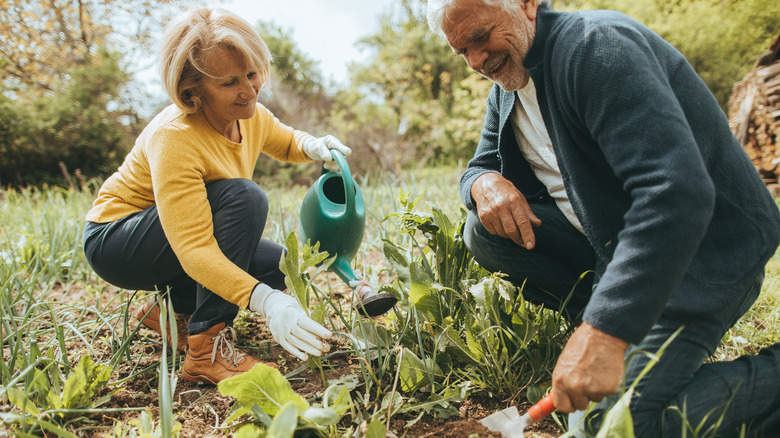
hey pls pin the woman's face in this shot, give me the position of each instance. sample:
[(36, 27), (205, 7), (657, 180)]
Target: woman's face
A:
[(229, 92)]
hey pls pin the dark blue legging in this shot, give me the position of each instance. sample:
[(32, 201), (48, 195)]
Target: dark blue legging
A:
[(133, 252)]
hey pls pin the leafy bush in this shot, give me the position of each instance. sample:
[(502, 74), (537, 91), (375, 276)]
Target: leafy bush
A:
[(82, 125), (471, 323), (721, 39)]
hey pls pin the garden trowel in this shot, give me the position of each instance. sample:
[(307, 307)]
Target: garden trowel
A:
[(510, 424)]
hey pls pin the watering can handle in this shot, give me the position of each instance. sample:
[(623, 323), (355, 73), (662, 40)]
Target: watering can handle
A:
[(349, 183)]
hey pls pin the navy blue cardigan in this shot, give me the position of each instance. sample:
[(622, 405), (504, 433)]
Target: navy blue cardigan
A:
[(675, 211)]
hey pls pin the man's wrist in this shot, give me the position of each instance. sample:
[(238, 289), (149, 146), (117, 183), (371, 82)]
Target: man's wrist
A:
[(606, 338)]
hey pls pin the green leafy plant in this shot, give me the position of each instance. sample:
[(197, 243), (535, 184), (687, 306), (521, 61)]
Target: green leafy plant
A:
[(298, 280), (466, 321), (265, 394), (49, 402)]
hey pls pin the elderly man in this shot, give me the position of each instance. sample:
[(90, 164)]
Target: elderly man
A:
[(602, 151)]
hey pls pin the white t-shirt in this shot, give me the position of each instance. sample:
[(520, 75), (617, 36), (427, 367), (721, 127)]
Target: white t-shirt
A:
[(535, 144)]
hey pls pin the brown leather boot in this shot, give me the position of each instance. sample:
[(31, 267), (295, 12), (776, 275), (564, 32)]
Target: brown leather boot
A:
[(151, 319), (203, 363)]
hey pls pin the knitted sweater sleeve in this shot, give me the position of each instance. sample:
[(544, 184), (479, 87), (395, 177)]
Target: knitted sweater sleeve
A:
[(486, 158), (616, 87), (178, 172)]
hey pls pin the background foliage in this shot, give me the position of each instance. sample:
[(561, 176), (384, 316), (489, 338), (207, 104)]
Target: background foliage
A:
[(69, 92)]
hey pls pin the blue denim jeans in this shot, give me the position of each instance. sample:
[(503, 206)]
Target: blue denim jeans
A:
[(745, 391), (133, 252)]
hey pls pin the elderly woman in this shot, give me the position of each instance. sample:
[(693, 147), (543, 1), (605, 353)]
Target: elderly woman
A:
[(182, 215)]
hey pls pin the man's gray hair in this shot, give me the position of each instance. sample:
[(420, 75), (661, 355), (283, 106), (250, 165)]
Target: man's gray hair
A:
[(437, 10)]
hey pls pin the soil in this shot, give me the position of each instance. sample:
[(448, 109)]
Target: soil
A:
[(201, 408)]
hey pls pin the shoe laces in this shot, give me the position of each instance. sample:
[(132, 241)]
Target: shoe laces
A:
[(227, 350), (182, 321)]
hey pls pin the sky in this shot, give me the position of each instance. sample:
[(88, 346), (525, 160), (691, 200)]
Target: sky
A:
[(325, 30)]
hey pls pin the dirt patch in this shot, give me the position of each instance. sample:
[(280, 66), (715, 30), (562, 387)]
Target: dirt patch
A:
[(201, 409)]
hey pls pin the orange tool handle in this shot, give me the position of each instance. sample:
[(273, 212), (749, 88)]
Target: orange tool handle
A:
[(542, 408)]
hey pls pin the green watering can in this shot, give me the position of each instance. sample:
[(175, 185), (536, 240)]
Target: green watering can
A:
[(333, 214)]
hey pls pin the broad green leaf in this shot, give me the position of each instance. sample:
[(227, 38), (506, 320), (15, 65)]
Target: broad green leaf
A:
[(54, 399), (261, 415), (319, 312), (473, 345), (289, 266), (350, 381), (413, 374), (398, 401), (285, 422), (312, 256), (421, 293), (264, 386), (478, 292), (248, 430), (20, 400), (55, 374), (321, 416), (41, 381), (534, 393), (397, 261), (618, 422), (458, 348), (76, 383), (375, 429), (342, 401), (525, 329), (98, 375)]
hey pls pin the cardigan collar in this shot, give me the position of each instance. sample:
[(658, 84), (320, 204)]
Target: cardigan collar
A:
[(545, 19)]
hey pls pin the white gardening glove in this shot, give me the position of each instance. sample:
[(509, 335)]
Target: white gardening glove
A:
[(289, 324), (318, 148)]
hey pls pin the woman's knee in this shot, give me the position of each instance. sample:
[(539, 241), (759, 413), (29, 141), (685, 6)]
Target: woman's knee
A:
[(238, 194)]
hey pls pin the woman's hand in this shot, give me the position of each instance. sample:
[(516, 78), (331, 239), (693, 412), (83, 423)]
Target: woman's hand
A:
[(318, 148), (289, 324)]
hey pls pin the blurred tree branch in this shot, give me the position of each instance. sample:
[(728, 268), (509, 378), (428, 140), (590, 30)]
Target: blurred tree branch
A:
[(45, 40)]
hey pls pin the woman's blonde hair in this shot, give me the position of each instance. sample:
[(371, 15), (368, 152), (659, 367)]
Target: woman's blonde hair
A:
[(188, 36)]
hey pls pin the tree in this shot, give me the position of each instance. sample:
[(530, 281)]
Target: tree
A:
[(81, 124), (720, 38), (45, 40), (438, 101), (295, 93)]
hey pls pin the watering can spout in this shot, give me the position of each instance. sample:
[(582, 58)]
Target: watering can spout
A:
[(333, 214)]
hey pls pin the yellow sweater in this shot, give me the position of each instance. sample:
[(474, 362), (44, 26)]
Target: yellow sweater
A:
[(173, 159)]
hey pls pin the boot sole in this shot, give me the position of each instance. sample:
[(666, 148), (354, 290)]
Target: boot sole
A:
[(196, 378)]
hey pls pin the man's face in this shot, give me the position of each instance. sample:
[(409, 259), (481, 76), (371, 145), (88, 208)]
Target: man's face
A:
[(493, 41)]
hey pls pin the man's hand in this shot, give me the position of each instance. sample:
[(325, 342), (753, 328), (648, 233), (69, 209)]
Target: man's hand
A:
[(589, 368), (503, 210)]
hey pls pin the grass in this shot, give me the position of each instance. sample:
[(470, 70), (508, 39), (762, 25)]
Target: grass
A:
[(55, 312)]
